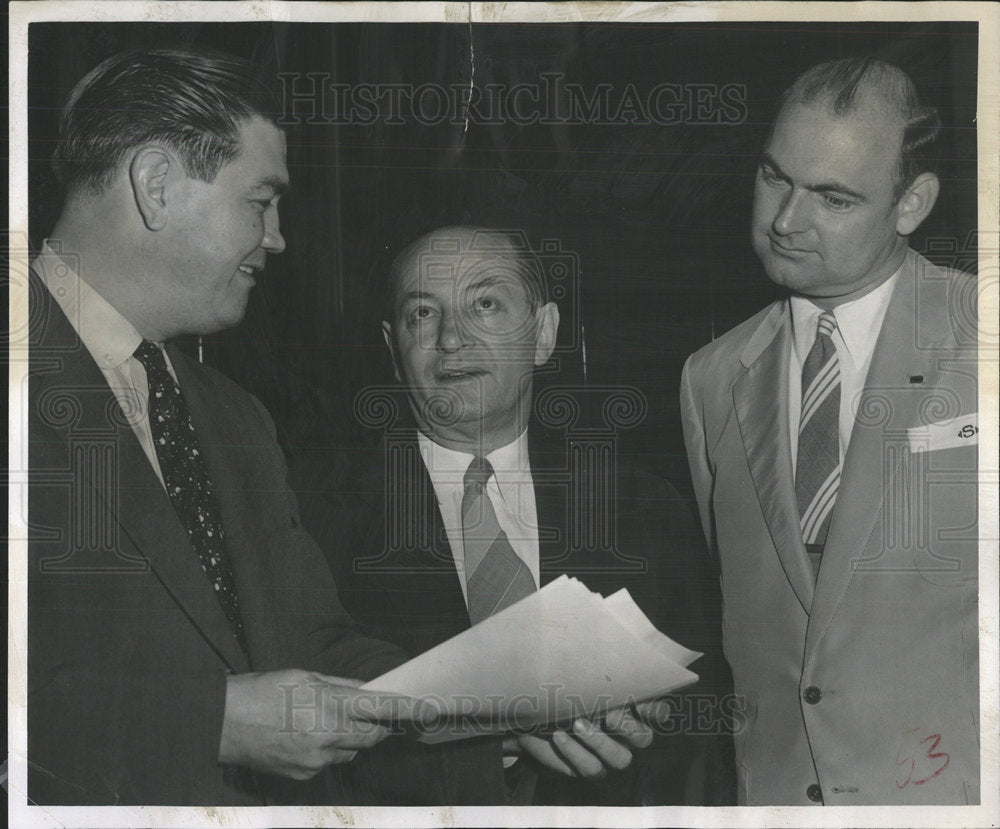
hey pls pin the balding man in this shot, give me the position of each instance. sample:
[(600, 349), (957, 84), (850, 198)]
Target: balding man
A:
[(832, 442), (467, 323)]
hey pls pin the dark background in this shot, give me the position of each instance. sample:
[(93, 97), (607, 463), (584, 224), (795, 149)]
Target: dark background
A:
[(655, 216)]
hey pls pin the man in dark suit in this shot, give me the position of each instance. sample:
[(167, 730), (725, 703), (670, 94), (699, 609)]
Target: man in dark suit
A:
[(184, 635), (832, 441), (467, 323)]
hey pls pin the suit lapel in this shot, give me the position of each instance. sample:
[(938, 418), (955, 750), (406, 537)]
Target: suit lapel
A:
[(148, 517), (550, 478), (137, 502), (764, 428), (418, 565), (226, 467), (889, 405)]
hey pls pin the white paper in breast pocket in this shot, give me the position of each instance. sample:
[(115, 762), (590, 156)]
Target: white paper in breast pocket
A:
[(945, 434)]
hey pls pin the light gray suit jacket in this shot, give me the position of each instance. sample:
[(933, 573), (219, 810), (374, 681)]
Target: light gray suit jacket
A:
[(864, 681)]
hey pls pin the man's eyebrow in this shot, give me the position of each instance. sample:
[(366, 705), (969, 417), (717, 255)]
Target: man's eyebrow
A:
[(821, 187), (275, 183), (415, 294), (839, 189), (493, 281), (485, 282), (767, 159)]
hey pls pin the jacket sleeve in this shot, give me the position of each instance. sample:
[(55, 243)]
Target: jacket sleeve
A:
[(318, 632)]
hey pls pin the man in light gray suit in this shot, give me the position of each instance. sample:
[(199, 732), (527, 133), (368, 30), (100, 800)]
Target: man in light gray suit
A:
[(832, 440)]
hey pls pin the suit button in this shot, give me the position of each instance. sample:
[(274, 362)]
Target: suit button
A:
[(812, 695), (815, 793)]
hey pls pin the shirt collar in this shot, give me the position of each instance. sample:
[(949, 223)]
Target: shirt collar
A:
[(108, 336), (445, 465), (856, 320)]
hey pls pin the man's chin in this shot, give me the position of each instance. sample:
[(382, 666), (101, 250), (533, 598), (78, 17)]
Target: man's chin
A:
[(787, 275), (229, 318), (445, 409)]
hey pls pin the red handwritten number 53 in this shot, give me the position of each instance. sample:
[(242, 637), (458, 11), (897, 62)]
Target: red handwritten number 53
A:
[(938, 758)]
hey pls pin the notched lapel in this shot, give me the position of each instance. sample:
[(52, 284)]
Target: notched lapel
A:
[(761, 402), (548, 456), (409, 559)]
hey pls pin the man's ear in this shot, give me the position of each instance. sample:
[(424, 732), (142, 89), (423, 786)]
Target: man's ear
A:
[(390, 343), (148, 177), (547, 318), (917, 202)]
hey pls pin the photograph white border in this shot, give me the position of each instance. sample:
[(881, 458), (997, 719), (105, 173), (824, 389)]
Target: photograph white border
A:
[(988, 119)]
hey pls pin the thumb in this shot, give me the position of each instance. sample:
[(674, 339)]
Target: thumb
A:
[(343, 682)]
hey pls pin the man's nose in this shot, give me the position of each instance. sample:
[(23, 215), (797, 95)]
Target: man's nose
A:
[(791, 216), (273, 241), (450, 333)]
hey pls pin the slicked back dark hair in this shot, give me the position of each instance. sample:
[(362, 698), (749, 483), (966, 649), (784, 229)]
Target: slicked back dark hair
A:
[(843, 84), (192, 100)]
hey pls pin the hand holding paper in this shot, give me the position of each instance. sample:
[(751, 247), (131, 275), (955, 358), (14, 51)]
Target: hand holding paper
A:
[(559, 654), (294, 723)]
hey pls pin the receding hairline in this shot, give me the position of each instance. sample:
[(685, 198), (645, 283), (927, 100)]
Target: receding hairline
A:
[(504, 245), (866, 111), (847, 86), (849, 83), (867, 99)]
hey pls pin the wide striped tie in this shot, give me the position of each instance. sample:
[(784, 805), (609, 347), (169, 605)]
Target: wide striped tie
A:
[(495, 575), (817, 468)]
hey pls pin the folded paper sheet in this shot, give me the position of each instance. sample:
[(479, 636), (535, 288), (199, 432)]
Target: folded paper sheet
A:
[(561, 652)]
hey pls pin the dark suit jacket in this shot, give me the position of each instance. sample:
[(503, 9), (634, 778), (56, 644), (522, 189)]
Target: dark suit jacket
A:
[(375, 516), (865, 680), (128, 647)]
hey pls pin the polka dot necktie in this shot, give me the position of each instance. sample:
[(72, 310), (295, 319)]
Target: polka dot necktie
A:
[(817, 468), (496, 577), (186, 478)]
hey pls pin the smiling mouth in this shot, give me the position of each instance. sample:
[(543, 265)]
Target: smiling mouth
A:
[(249, 271), (794, 253)]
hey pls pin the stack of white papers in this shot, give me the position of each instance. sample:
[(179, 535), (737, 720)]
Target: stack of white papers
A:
[(560, 653)]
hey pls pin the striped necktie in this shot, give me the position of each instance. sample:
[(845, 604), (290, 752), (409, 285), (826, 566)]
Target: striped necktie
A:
[(817, 468), (496, 577), (185, 476)]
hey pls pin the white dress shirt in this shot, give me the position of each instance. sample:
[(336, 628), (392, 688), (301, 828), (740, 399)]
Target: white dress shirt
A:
[(858, 324), (109, 337), (510, 489)]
